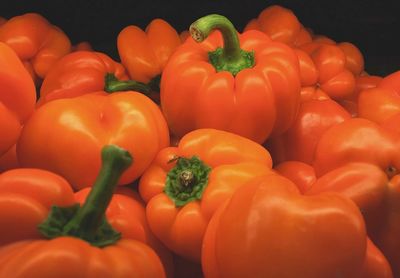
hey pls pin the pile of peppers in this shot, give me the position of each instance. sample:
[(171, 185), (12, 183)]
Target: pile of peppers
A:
[(211, 153)]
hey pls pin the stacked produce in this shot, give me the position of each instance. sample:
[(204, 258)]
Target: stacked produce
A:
[(211, 153)]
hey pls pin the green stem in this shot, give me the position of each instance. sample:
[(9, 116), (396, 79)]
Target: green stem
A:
[(229, 58), (88, 221), (112, 84), (89, 217)]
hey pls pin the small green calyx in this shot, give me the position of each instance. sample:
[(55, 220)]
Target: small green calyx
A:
[(59, 217), (221, 63), (187, 181), (88, 222)]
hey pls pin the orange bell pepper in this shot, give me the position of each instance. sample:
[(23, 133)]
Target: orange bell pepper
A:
[(80, 126), (126, 213), (79, 73), (375, 264), (268, 229), (367, 186), (145, 54), (281, 25), (386, 235), (245, 84), (76, 232), (300, 140), (334, 77), (363, 82), (300, 173), (26, 197), (9, 160), (381, 103), (187, 183), (36, 41), (357, 140), (17, 97), (377, 198)]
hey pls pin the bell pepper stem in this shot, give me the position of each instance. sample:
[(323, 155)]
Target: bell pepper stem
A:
[(231, 57), (112, 84), (90, 215), (186, 181)]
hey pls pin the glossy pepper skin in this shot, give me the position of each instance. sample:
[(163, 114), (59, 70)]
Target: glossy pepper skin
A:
[(26, 196), (78, 73), (36, 42), (363, 82), (81, 243), (127, 214), (377, 197), (81, 126), (17, 97), (300, 140), (379, 104), (386, 234), (281, 25), (357, 140), (334, 77), (250, 87), (144, 53), (218, 163), (268, 229), (370, 189)]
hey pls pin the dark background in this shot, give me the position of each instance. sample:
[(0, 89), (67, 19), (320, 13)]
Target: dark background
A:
[(374, 26)]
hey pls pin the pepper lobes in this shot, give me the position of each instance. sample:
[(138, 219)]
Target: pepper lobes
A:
[(245, 84), (79, 73), (184, 185), (81, 126), (80, 240), (36, 42), (144, 53), (17, 97)]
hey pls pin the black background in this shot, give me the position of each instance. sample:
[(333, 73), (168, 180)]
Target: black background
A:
[(374, 26)]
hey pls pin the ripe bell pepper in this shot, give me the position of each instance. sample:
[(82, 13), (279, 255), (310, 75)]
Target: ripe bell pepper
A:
[(268, 229), (185, 184), (126, 213), (334, 77), (300, 140), (62, 132), (37, 43), (26, 196), (80, 240), (381, 103), (367, 186), (245, 84), (145, 53), (377, 198), (363, 82), (281, 25), (17, 97), (386, 236), (357, 140), (79, 73)]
